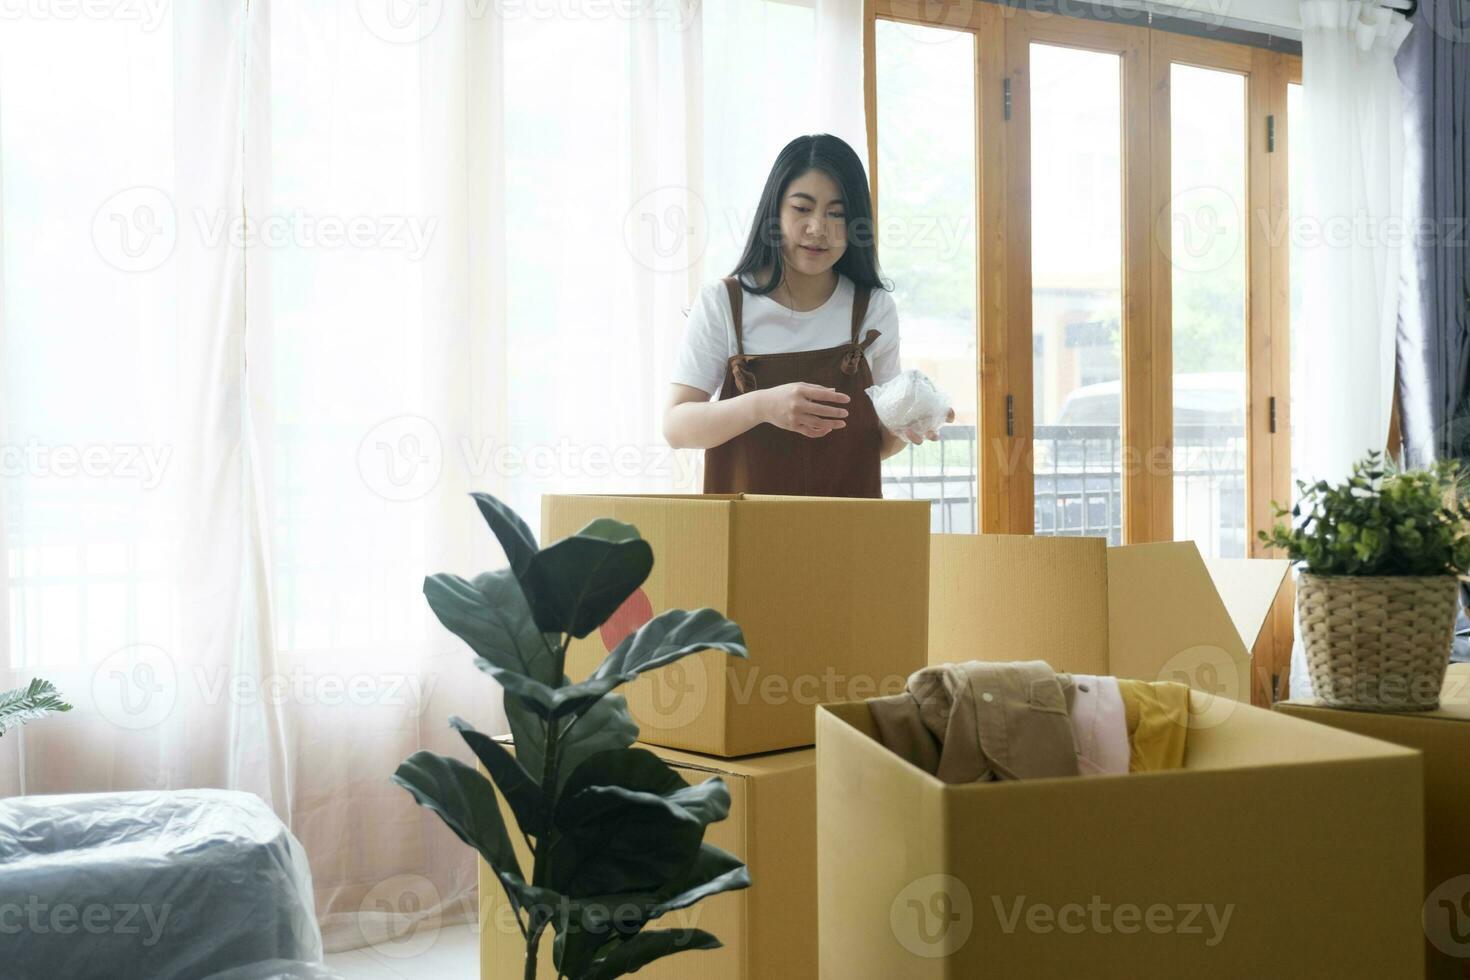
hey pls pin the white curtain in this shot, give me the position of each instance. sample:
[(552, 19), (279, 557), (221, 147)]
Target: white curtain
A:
[(1352, 211), (281, 284)]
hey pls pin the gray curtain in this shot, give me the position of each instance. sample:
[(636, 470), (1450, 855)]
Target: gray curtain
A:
[(1433, 343)]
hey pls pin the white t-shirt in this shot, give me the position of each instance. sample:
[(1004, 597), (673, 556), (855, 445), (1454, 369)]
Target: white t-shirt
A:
[(770, 328)]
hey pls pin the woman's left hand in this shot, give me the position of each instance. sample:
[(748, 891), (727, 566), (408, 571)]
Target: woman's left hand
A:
[(915, 437)]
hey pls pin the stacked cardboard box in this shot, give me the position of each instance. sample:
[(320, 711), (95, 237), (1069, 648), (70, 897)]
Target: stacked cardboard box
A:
[(832, 595), (841, 600), (767, 931), (1442, 737)]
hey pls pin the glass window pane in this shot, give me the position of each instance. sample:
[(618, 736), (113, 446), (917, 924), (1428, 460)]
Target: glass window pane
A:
[(1207, 221), (926, 237), (1295, 188), (754, 56), (1077, 290)]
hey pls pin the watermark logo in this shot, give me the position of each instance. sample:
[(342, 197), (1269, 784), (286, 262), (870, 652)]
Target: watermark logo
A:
[(1209, 670), (399, 917), (138, 687), (135, 687), (673, 696), (135, 230), (400, 21), (402, 458), (667, 229), (1202, 228), (933, 916), (934, 21), (138, 230), (410, 21), (1447, 917)]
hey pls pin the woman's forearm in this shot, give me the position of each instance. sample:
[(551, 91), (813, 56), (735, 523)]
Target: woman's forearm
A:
[(704, 425), (892, 445)]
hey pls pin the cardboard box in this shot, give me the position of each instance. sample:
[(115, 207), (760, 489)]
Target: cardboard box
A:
[(831, 593), (1281, 849), (768, 930), (1148, 611), (1443, 736)]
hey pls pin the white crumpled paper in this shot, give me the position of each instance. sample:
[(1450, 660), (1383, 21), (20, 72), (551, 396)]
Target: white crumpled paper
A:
[(909, 401)]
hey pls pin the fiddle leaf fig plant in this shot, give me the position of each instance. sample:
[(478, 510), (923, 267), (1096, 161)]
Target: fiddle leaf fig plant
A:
[(615, 836), (1380, 521)]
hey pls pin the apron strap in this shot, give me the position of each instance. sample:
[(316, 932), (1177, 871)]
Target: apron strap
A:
[(854, 354), (732, 287), (860, 297), (739, 364)]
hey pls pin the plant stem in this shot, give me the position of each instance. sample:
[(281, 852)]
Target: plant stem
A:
[(549, 765), (532, 945)]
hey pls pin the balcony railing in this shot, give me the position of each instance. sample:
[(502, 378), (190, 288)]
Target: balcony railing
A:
[(1079, 482)]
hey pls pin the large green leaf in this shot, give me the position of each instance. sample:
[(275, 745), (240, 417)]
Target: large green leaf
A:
[(619, 829), (662, 640), (541, 905), (708, 801), (632, 954), (594, 920), (606, 726), (668, 637), (515, 538), (491, 615), (632, 769), (36, 700), (634, 772), (528, 731), (464, 800), (530, 692), (711, 872), (517, 786), (575, 584)]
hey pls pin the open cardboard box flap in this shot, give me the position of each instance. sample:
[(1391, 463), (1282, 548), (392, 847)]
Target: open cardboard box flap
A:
[(1151, 611)]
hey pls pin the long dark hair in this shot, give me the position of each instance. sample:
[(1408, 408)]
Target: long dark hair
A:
[(833, 157)]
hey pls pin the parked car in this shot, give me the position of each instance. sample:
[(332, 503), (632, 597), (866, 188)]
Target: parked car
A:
[(1078, 473)]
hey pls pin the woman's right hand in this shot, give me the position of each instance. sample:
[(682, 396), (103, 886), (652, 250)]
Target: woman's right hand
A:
[(812, 410)]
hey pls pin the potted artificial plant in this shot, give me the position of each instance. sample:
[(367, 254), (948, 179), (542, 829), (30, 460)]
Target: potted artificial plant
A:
[(36, 700), (1378, 558), (616, 837)]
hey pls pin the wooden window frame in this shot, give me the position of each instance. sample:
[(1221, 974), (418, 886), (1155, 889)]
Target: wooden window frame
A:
[(1003, 36)]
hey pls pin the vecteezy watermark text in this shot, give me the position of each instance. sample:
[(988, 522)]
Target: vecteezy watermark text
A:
[(128, 461), (1203, 919), (147, 14), (38, 917), (138, 228)]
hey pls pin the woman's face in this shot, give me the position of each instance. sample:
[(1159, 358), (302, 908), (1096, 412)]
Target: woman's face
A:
[(813, 224)]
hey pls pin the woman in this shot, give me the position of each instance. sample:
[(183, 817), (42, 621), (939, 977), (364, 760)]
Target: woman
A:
[(792, 339)]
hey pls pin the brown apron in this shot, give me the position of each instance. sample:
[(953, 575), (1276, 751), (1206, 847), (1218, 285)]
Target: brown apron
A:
[(770, 459)]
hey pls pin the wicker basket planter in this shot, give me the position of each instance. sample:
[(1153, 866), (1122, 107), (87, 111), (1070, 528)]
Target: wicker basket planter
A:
[(1377, 642)]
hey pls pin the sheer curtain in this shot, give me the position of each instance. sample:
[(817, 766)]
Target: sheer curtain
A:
[(1354, 202), (281, 284)]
